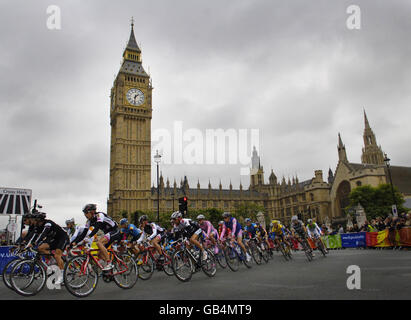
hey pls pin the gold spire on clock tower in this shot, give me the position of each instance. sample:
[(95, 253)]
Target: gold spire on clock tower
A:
[(130, 120)]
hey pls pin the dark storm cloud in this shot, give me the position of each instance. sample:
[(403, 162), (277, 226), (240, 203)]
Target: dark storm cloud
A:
[(291, 69)]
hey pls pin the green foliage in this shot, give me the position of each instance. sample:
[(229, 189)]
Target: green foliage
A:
[(376, 201), (124, 214), (248, 210)]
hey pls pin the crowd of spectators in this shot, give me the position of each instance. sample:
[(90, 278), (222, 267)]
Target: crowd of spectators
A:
[(391, 223), (374, 225)]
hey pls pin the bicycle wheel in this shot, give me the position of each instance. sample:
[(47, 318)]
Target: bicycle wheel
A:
[(28, 277), (168, 265), (209, 265), (125, 272), (307, 250), (255, 253), (244, 258), (288, 251), (221, 258), (264, 252), (231, 258), (80, 280), (282, 249), (7, 271), (182, 265), (321, 247), (146, 268)]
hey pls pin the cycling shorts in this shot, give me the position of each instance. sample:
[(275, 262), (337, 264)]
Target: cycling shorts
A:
[(58, 243), (113, 236)]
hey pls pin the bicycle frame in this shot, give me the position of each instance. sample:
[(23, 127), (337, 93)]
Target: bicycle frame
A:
[(93, 259)]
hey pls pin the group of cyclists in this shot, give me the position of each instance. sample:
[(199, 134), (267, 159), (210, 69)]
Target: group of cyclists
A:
[(49, 238)]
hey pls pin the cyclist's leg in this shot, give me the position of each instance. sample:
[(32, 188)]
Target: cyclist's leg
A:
[(213, 238), (102, 245), (44, 248), (194, 240), (155, 243), (240, 240)]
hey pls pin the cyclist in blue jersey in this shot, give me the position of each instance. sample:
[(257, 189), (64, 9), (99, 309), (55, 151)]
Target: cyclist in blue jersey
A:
[(130, 233), (250, 228), (236, 231)]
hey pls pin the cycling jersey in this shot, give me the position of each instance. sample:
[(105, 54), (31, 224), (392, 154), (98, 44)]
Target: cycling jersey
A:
[(100, 222), (252, 229), (298, 227), (187, 228), (234, 226), (278, 229), (313, 229), (131, 230), (150, 231), (78, 233), (53, 235), (208, 228)]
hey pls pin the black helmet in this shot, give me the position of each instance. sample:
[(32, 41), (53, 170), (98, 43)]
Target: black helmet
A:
[(39, 215), (143, 218), (89, 207), (27, 216), (226, 214)]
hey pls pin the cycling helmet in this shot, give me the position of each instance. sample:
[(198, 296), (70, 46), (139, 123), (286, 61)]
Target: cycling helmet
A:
[(201, 217), (275, 222), (70, 221), (309, 221), (89, 207), (123, 221), (294, 218), (176, 215), (247, 220), (221, 223), (226, 214), (143, 218), (39, 215)]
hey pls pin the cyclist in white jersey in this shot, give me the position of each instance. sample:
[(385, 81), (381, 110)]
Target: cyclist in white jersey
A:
[(151, 232)]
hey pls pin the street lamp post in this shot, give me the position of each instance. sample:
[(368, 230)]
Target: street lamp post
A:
[(173, 200), (157, 160), (387, 163)]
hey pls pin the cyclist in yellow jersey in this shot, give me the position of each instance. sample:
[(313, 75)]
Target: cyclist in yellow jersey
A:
[(278, 230)]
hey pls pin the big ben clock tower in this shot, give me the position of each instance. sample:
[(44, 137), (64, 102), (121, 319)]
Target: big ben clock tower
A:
[(130, 149)]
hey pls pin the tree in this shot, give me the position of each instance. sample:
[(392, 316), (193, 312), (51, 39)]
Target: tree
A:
[(376, 201), (248, 210)]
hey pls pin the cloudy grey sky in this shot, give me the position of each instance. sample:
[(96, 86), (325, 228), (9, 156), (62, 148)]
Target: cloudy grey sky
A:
[(291, 69)]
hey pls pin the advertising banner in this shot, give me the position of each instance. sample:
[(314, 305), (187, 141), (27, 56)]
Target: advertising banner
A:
[(332, 242), (353, 240), (405, 236), (6, 256)]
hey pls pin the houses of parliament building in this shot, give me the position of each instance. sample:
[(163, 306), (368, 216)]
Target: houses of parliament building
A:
[(130, 165)]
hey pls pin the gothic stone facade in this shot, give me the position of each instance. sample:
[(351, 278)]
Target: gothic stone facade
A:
[(130, 165)]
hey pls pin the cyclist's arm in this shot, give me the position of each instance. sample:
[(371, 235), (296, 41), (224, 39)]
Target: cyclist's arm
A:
[(234, 227), (222, 232), (154, 233), (46, 230), (78, 236)]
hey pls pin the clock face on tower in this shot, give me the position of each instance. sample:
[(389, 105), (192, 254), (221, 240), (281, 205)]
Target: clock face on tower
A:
[(135, 97)]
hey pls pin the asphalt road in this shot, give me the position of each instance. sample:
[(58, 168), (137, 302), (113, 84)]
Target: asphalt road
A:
[(385, 274)]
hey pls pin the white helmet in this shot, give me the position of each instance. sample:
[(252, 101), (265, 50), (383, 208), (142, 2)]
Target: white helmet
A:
[(201, 217), (176, 215)]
